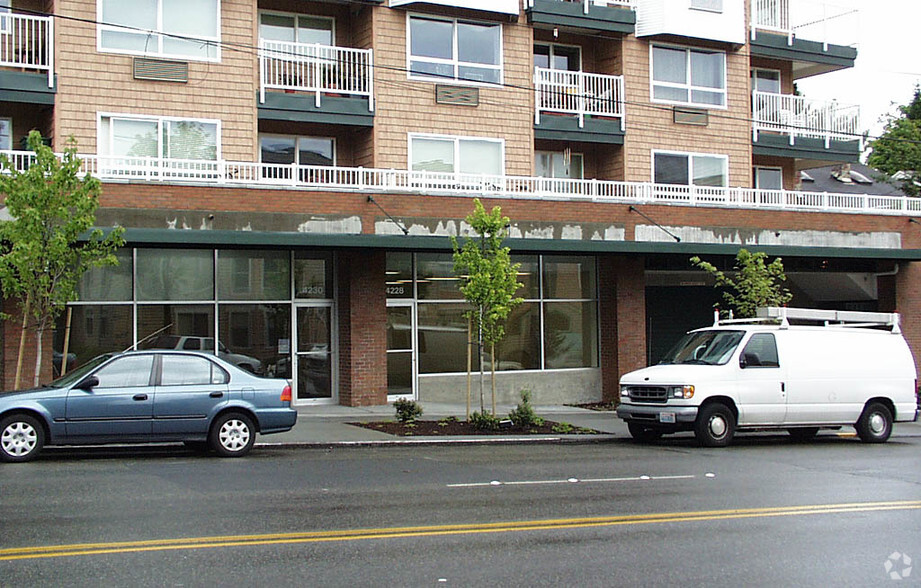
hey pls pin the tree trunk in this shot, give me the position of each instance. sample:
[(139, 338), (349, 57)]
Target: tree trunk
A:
[(39, 335), (493, 352), (22, 343), (469, 361), (482, 368)]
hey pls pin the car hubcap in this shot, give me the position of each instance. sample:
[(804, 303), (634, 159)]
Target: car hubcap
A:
[(877, 423), (718, 426), (19, 439), (234, 435)]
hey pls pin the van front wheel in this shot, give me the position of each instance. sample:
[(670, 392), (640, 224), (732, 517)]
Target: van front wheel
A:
[(715, 426), (875, 423)]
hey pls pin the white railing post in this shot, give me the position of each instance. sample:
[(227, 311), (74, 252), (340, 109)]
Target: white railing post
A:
[(49, 46)]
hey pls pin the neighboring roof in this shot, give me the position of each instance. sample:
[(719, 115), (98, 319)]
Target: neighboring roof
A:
[(831, 178)]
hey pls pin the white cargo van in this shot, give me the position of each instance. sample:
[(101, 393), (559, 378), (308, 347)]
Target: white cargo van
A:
[(839, 368)]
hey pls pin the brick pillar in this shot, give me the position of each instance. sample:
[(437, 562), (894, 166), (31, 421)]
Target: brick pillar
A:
[(362, 328), (622, 285), (908, 304)]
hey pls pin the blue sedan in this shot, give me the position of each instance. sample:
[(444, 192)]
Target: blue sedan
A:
[(144, 397)]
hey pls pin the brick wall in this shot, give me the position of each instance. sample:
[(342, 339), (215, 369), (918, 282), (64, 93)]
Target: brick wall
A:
[(362, 328)]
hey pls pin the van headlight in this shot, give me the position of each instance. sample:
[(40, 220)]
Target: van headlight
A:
[(625, 391), (684, 392)]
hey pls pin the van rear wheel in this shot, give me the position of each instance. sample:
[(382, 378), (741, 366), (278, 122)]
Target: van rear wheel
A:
[(875, 423), (715, 426), (642, 433)]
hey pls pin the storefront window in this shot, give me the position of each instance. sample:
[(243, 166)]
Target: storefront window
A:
[(313, 276), (569, 278), (93, 330), (442, 339), (110, 283), (570, 335), (176, 326), (175, 274), (256, 337), (253, 275), (436, 279), (399, 275)]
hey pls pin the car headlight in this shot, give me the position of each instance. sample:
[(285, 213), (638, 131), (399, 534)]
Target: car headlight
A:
[(685, 392), (625, 392)]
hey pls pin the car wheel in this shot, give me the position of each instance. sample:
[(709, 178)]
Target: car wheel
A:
[(803, 434), (875, 423), (21, 438), (642, 433), (232, 435), (715, 426)]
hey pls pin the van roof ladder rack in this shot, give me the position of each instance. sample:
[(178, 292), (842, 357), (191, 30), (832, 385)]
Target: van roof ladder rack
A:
[(830, 318)]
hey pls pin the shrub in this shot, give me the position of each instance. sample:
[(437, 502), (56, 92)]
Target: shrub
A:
[(407, 410), (523, 415), (484, 421)]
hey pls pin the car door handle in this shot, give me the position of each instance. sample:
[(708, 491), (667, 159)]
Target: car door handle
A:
[(216, 394), (140, 397)]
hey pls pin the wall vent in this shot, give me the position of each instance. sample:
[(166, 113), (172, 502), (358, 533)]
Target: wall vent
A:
[(457, 95), (691, 116), (161, 70)]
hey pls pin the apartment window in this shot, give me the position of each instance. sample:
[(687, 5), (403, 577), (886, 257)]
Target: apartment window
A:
[(688, 76), (171, 28), (164, 137), (443, 49), (690, 169), (296, 28), (456, 154), (6, 131), (299, 150), (5, 24), (558, 164), (559, 57), (766, 80), (708, 5), (769, 178)]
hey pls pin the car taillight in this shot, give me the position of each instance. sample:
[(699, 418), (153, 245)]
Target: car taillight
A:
[(286, 394)]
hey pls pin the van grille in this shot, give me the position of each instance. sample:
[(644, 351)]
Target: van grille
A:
[(648, 394)]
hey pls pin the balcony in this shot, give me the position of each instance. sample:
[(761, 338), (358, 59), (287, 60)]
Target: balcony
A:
[(811, 129), (315, 83), (816, 36), (592, 106), (588, 17), (221, 173), (26, 58)]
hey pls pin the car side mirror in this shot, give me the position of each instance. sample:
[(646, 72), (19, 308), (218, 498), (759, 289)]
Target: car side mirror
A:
[(87, 383)]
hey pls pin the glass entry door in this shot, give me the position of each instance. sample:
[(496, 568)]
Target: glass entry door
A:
[(401, 350), (315, 352)]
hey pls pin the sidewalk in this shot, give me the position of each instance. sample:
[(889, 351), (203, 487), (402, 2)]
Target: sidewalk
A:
[(326, 425)]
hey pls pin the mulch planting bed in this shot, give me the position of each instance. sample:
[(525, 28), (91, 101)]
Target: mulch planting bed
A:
[(457, 427)]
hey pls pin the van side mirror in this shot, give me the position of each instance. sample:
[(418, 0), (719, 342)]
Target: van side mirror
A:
[(87, 383), (749, 359)]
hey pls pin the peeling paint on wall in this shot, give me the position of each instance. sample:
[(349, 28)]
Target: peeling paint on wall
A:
[(520, 230), (331, 226), (735, 236)]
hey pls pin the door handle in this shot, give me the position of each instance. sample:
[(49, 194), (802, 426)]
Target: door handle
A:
[(216, 394), (140, 397)]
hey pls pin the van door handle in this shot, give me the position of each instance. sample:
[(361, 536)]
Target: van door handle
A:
[(216, 394), (139, 397), (783, 387)]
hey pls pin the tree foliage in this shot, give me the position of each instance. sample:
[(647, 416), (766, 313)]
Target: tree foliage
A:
[(753, 284), (50, 241), (898, 149)]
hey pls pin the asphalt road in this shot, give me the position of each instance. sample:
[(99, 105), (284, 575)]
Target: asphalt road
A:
[(762, 512)]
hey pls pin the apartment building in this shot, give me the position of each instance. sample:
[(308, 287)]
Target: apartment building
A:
[(288, 173)]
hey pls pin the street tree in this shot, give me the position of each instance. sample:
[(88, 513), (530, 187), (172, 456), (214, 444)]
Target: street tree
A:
[(753, 282), (897, 151), (49, 241), (489, 281)]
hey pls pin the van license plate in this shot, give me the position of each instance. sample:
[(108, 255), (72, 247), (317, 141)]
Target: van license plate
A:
[(666, 417)]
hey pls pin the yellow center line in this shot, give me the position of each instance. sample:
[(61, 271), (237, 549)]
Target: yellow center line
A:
[(83, 549)]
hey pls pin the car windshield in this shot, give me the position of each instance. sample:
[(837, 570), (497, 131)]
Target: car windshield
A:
[(704, 347), (72, 377)]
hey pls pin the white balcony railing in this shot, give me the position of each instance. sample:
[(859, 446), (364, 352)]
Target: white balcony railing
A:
[(796, 116), (27, 42), (578, 93), (321, 69), (219, 173), (812, 20)]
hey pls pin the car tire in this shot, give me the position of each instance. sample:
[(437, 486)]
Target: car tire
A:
[(715, 426), (875, 423), (643, 434), (232, 434), (803, 434), (22, 438)]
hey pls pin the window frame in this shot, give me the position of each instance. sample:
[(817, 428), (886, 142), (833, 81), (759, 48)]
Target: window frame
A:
[(457, 139), (690, 158), (297, 151), (159, 35), (297, 17), (9, 121), (551, 47), (754, 79), (454, 61), (107, 150), (552, 154), (759, 168), (723, 90)]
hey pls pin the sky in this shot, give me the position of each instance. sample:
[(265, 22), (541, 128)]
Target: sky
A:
[(888, 65)]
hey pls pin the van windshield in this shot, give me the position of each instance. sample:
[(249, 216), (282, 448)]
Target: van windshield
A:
[(704, 347)]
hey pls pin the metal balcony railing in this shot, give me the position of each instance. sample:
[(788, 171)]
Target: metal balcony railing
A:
[(813, 20), (321, 69), (220, 173), (796, 116), (578, 93), (27, 42)]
